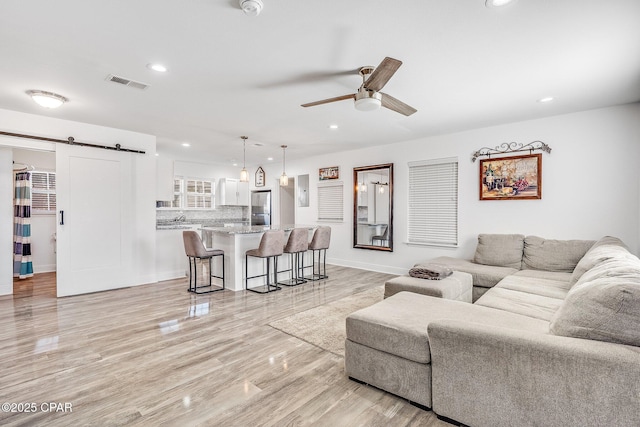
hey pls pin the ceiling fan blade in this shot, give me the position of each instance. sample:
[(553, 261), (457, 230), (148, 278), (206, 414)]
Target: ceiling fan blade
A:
[(382, 74), (396, 105), (326, 101)]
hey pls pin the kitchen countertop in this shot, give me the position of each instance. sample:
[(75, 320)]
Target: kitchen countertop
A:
[(253, 229)]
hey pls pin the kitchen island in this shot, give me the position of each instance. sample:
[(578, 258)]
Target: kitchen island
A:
[(235, 241)]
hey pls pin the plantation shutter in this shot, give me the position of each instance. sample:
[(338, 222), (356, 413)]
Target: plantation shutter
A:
[(43, 192), (433, 202), (331, 202)]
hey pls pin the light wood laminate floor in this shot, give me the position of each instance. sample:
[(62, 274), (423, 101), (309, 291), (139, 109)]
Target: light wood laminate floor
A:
[(158, 355)]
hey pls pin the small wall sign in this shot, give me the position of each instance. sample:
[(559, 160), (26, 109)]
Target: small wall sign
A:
[(260, 177)]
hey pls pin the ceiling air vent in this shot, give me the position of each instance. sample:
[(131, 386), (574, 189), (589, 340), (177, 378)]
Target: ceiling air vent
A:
[(127, 82)]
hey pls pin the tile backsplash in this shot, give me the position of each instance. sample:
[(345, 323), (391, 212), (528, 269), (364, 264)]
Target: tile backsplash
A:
[(221, 214)]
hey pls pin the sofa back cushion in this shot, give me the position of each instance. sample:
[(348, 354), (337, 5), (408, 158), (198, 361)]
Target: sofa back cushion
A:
[(503, 250), (606, 308), (553, 255), (606, 248)]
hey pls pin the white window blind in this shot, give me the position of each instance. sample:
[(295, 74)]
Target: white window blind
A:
[(433, 202), (43, 192), (331, 202), (199, 194)]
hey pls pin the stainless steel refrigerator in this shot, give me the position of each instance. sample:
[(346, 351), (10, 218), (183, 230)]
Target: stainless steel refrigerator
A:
[(261, 207)]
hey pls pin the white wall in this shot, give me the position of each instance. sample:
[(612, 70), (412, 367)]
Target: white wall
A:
[(590, 186), (142, 205), (6, 221)]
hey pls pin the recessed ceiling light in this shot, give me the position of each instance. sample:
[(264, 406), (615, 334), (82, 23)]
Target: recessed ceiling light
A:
[(333, 126), (157, 67), (157, 154), (47, 99), (270, 158), (258, 144), (497, 3), (234, 164), (186, 144), (546, 99)]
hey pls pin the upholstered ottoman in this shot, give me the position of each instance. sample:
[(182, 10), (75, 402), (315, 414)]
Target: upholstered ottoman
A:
[(458, 286)]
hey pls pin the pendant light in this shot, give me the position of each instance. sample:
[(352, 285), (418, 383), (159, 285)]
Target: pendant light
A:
[(284, 179), (244, 175)]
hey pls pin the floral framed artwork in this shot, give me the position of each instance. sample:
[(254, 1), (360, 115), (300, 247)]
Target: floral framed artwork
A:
[(511, 178), (332, 172)]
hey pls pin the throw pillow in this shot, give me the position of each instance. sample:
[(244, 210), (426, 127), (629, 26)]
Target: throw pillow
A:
[(553, 255), (503, 250), (605, 248), (604, 309)]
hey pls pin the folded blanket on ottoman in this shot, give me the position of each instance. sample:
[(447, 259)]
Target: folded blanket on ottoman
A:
[(431, 271)]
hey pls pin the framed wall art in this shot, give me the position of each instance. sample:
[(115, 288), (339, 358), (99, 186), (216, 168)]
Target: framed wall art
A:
[(511, 178), (332, 172), (260, 177)]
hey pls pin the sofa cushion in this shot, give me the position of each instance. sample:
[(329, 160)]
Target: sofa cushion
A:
[(605, 248), (558, 276), (606, 308), (398, 324), (553, 255), (503, 250), (485, 276), (522, 303), (537, 286)]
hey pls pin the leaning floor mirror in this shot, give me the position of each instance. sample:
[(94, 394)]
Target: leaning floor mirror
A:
[(373, 207)]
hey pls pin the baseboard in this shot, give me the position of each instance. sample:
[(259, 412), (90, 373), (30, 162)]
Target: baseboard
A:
[(44, 268), (170, 275), (368, 266)]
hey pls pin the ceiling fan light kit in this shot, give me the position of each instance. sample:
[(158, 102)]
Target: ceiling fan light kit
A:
[(368, 101), (368, 97), (251, 7)]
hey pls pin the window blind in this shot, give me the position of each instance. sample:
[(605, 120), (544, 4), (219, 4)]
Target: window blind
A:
[(433, 202), (43, 192), (331, 202)]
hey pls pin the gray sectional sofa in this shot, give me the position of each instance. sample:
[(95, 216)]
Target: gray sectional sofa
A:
[(553, 338)]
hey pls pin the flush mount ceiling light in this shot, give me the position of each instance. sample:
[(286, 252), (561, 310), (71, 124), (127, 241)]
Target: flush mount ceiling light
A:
[(546, 99), (498, 3), (284, 179), (244, 175), (251, 7), (47, 99), (157, 67)]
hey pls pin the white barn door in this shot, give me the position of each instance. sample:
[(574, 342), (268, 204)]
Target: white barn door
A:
[(93, 231)]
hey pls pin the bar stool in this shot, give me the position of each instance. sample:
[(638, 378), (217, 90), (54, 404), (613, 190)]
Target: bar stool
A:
[(194, 248), (271, 246), (297, 244), (319, 243)]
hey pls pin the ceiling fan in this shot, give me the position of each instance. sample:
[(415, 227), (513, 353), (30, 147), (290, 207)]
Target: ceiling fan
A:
[(368, 97)]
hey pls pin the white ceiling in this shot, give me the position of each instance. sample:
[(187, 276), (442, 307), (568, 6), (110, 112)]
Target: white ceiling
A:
[(465, 66)]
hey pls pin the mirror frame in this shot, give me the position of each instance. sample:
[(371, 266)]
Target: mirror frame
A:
[(357, 245)]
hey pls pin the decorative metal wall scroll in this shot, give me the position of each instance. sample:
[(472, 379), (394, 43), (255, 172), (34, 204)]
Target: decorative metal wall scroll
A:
[(511, 147)]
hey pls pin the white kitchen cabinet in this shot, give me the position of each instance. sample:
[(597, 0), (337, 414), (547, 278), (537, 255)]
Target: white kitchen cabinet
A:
[(171, 260), (232, 192), (164, 179)]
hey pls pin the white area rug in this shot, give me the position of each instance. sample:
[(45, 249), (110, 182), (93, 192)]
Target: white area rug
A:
[(324, 325)]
